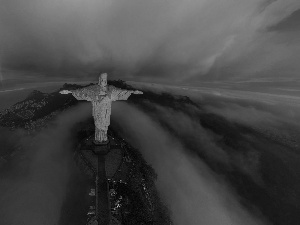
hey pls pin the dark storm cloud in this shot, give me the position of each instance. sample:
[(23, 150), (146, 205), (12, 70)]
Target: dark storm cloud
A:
[(161, 39), (289, 24), (33, 188)]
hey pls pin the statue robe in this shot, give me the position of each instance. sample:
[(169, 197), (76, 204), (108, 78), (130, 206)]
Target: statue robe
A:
[(101, 101)]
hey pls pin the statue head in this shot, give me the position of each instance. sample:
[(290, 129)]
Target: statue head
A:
[(103, 80)]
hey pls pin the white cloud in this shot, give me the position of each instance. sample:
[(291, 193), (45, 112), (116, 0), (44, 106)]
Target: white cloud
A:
[(194, 194)]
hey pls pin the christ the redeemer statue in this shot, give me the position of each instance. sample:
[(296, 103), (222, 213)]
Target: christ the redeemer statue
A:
[(101, 97)]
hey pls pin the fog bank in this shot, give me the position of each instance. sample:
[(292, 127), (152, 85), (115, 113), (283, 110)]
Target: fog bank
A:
[(193, 193), (33, 187)]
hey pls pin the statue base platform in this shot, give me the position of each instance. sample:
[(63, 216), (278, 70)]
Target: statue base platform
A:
[(101, 148), (100, 142)]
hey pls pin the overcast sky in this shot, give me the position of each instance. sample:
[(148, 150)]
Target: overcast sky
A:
[(154, 40)]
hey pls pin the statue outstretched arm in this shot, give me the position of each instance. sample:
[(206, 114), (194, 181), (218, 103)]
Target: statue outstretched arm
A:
[(120, 94), (79, 94)]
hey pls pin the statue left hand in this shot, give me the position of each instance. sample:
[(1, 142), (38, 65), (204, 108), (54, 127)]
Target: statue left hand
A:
[(138, 92)]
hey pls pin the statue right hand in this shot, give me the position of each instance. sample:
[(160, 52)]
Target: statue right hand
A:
[(138, 92), (65, 92)]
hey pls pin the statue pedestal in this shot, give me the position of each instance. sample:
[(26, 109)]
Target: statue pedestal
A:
[(97, 153), (101, 148)]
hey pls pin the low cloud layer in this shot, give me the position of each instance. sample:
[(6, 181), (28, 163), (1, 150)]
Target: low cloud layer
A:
[(235, 152), (192, 191), (150, 40), (34, 187)]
